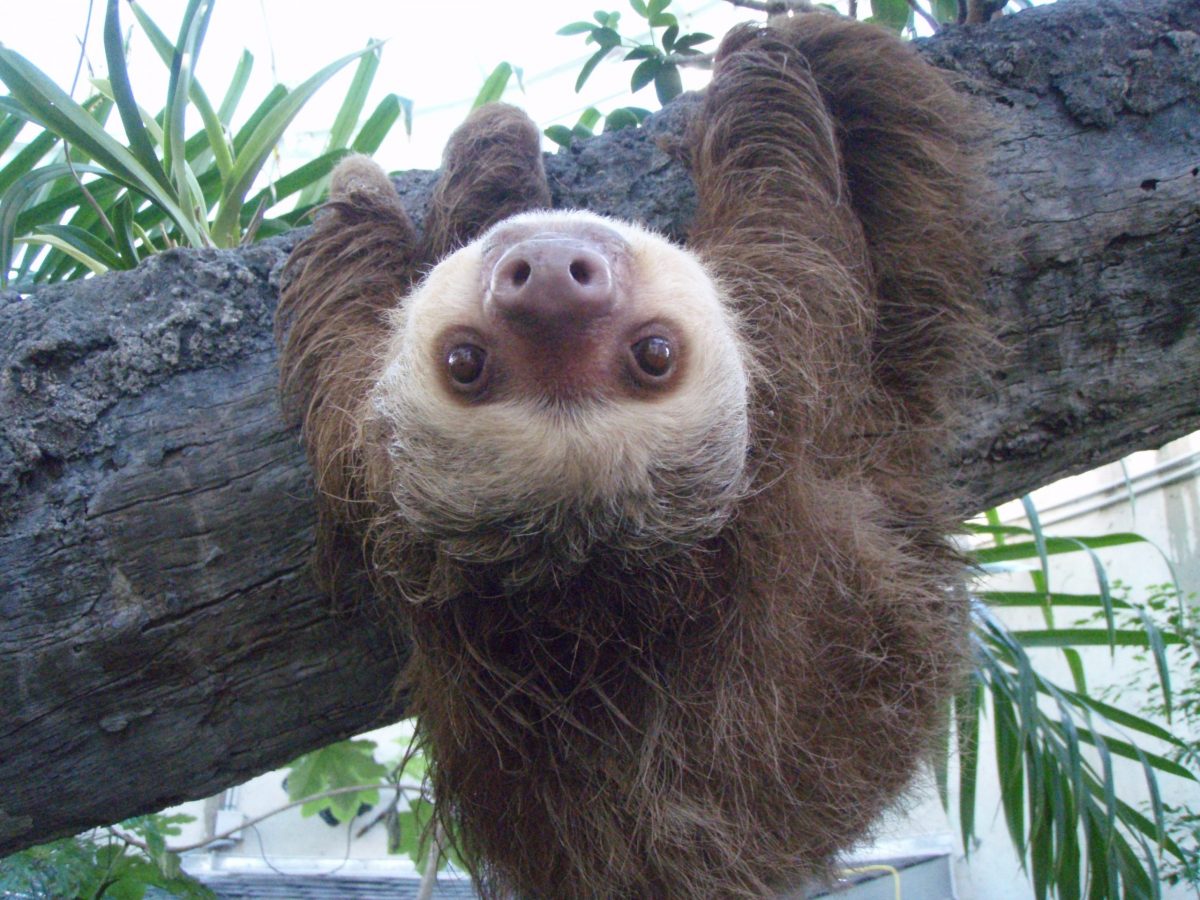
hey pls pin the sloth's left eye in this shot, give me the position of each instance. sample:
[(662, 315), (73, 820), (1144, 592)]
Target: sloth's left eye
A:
[(654, 355), (465, 363)]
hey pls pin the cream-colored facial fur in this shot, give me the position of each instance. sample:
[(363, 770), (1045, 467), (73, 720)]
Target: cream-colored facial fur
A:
[(665, 467)]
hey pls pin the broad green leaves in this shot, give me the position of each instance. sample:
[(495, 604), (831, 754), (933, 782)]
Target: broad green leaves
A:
[(590, 118), (109, 866), (341, 765), (658, 58)]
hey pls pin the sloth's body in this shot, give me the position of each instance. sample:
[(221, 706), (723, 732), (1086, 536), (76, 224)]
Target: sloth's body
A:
[(664, 526)]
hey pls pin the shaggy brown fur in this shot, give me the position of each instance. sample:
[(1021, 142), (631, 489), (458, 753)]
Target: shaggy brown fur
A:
[(722, 719)]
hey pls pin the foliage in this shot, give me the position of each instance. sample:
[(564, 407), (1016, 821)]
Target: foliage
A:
[(658, 60), (895, 15), (1057, 748), (585, 127), (107, 866), (1165, 606), (408, 817), (340, 765), (165, 188), (497, 82)]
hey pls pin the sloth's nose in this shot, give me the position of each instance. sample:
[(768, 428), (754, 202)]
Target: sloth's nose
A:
[(553, 280)]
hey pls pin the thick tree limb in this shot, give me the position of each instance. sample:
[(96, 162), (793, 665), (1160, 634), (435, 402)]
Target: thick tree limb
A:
[(160, 635)]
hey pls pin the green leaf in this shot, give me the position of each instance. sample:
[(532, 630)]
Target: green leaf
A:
[(1136, 753), (87, 243), (945, 10), (1075, 664), (667, 83), (355, 100), (380, 122), (639, 7), (347, 117), (644, 74), (9, 129), (14, 200), (1039, 540), (26, 159), (1122, 717), (669, 36), (187, 50), (1107, 784), (642, 51), (126, 241), (576, 28), (118, 76), (625, 117), (1052, 545), (663, 20), (68, 248), (344, 764), (940, 763), (1159, 651), (1087, 637), (103, 191), (59, 113), (589, 67), (607, 38), (1139, 822), (217, 142), (1040, 830), (654, 7), (494, 86), (346, 120), (237, 86), (1008, 759), (891, 14), (149, 121), (11, 107), (299, 179), (689, 41), (559, 134), (589, 119), (967, 709), (1036, 598), (258, 146)]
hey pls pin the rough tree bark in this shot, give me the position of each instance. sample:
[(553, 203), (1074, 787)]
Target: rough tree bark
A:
[(160, 636)]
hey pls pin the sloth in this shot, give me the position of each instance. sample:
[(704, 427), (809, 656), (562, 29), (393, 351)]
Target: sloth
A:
[(664, 526)]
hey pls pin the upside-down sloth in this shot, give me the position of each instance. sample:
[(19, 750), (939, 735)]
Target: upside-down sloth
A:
[(666, 527)]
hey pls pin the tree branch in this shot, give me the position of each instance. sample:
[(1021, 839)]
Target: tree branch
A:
[(160, 637), (929, 20)]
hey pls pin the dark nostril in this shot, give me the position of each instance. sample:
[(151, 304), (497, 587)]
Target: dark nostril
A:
[(580, 271), (520, 273)]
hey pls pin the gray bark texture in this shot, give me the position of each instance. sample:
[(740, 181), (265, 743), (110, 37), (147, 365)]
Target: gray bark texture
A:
[(160, 635)]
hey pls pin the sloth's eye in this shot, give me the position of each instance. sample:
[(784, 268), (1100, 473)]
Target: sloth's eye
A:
[(465, 363), (654, 355)]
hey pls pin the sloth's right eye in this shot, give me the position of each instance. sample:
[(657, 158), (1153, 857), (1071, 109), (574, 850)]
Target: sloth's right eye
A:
[(465, 364), (654, 355)]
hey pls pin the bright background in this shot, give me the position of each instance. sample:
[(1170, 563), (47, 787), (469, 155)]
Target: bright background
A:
[(437, 54)]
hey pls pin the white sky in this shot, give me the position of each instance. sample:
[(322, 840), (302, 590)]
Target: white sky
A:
[(438, 54)]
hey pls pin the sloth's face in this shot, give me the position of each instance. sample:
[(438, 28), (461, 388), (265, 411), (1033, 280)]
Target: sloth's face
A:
[(562, 360)]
